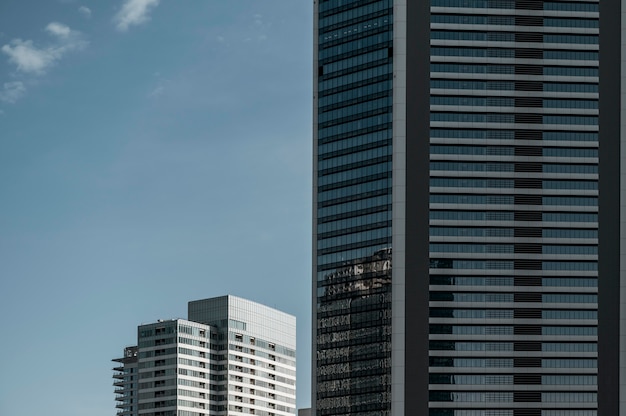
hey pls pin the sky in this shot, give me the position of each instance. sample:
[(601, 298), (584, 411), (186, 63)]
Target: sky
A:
[(152, 152)]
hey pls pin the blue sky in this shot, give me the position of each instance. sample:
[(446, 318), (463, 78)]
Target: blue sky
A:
[(151, 152)]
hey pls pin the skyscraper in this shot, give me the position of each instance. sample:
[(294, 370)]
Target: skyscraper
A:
[(231, 357), (466, 217)]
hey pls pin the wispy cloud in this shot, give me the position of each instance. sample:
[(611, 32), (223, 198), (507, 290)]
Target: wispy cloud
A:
[(260, 27), (85, 11), (160, 87), (59, 30), (134, 12), (12, 91), (27, 57), (32, 59)]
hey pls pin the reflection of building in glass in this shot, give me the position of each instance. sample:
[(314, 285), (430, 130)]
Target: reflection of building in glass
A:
[(360, 278), (354, 336), (477, 139), (232, 356)]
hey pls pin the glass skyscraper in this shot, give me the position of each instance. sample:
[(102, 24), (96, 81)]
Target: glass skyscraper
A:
[(467, 211)]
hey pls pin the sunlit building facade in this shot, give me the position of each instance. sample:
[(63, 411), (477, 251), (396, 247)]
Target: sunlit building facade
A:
[(231, 357), (466, 217)]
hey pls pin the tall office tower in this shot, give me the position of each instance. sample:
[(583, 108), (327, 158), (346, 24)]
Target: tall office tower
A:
[(231, 357), (475, 146)]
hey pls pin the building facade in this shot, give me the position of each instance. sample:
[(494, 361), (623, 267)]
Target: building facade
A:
[(466, 187), (231, 357), (125, 382)]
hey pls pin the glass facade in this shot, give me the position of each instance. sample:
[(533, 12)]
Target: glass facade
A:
[(513, 206), (353, 207)]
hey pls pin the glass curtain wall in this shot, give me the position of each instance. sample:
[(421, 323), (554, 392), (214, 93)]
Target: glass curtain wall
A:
[(353, 207)]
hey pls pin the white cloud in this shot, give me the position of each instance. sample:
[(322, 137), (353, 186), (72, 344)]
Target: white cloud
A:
[(36, 60), (58, 29), (12, 91), (85, 11), (134, 12), (27, 57)]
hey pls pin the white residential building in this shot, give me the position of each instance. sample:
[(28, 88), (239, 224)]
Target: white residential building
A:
[(231, 357)]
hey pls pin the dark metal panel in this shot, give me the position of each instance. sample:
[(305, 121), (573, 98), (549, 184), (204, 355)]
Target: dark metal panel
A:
[(417, 189), (609, 212)]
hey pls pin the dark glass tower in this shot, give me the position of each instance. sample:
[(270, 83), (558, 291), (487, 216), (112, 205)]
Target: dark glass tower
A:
[(353, 207), (477, 142)]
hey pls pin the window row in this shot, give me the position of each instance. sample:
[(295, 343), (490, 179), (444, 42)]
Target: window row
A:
[(354, 238), (444, 280), (356, 93), (353, 206), (513, 118), (468, 19), (509, 248), (509, 102), (326, 263), (349, 63), (510, 134), (438, 149), (497, 199), (509, 313), (508, 397), (582, 266), (510, 86), (357, 127), (355, 157), (350, 32), (509, 346), (509, 412), (355, 109), (355, 79), (509, 379), (354, 191), (352, 175), (440, 329), (354, 222), (353, 13), (510, 4), (509, 232), (355, 143), (353, 46), (494, 36), (508, 362), (509, 216), (565, 71), (509, 297)]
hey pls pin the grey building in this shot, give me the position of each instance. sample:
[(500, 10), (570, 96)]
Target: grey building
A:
[(231, 357), (467, 218), (125, 382)]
